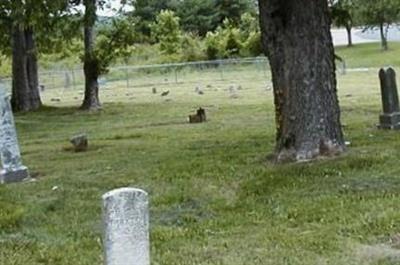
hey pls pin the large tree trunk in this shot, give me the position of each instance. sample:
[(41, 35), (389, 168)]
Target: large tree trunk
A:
[(25, 86), (298, 43), (349, 36), (91, 63)]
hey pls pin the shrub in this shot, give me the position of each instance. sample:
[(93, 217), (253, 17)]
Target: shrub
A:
[(191, 49), (166, 30), (252, 46)]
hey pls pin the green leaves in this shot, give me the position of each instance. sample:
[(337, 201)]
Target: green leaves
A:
[(166, 30), (374, 12), (342, 13), (230, 40), (114, 41), (196, 16)]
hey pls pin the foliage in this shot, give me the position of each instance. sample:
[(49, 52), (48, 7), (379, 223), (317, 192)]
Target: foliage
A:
[(146, 11), (250, 35), (166, 31), (234, 9), (232, 41), (42, 17), (114, 41), (248, 23), (379, 14), (192, 49), (374, 13), (233, 44), (197, 16), (252, 45), (342, 12), (213, 45)]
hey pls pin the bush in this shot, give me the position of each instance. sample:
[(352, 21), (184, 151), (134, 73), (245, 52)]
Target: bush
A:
[(252, 46), (233, 44), (166, 30), (192, 50), (224, 42), (213, 46)]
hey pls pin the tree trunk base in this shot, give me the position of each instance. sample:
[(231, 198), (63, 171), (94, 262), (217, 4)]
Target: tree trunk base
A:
[(90, 107), (323, 149)]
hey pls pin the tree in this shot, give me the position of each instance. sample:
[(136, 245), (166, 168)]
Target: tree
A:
[(379, 14), (101, 52), (198, 16), (91, 63), (342, 12), (298, 43), (147, 10), (233, 9), (250, 34), (166, 30), (18, 23)]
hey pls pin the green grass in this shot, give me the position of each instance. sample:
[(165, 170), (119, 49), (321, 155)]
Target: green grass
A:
[(215, 198), (370, 55)]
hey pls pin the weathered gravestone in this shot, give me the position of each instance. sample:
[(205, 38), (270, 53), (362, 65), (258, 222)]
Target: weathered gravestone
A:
[(199, 117), (126, 227), (80, 142), (13, 170), (390, 119)]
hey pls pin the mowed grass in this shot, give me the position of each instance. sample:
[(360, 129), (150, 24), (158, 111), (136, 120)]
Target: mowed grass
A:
[(215, 198), (370, 55)]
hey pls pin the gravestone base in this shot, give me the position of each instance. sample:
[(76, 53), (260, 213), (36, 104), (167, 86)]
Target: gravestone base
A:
[(14, 176), (389, 121)]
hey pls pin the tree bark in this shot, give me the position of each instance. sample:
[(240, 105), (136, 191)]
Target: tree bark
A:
[(384, 43), (91, 64), (32, 68), (25, 86), (298, 43), (349, 36)]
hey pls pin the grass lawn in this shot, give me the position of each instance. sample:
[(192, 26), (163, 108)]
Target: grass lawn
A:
[(370, 55), (215, 198)]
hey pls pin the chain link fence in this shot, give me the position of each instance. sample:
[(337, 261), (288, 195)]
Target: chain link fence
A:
[(254, 71), (152, 75)]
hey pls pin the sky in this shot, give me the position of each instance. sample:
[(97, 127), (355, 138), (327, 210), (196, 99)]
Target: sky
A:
[(110, 8)]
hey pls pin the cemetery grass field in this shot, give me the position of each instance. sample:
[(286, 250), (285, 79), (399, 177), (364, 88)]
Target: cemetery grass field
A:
[(215, 196)]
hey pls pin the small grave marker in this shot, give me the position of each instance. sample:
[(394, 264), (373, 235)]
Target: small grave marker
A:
[(390, 119), (126, 227)]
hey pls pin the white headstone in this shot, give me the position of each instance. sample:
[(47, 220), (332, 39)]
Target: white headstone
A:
[(126, 227), (13, 170)]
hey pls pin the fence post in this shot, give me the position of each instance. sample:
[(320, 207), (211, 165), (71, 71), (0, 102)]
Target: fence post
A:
[(73, 78), (127, 77), (221, 70), (53, 80), (176, 75), (264, 64)]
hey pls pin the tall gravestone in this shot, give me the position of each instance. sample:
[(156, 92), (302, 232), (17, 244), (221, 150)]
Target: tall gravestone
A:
[(13, 169), (126, 227), (390, 118)]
